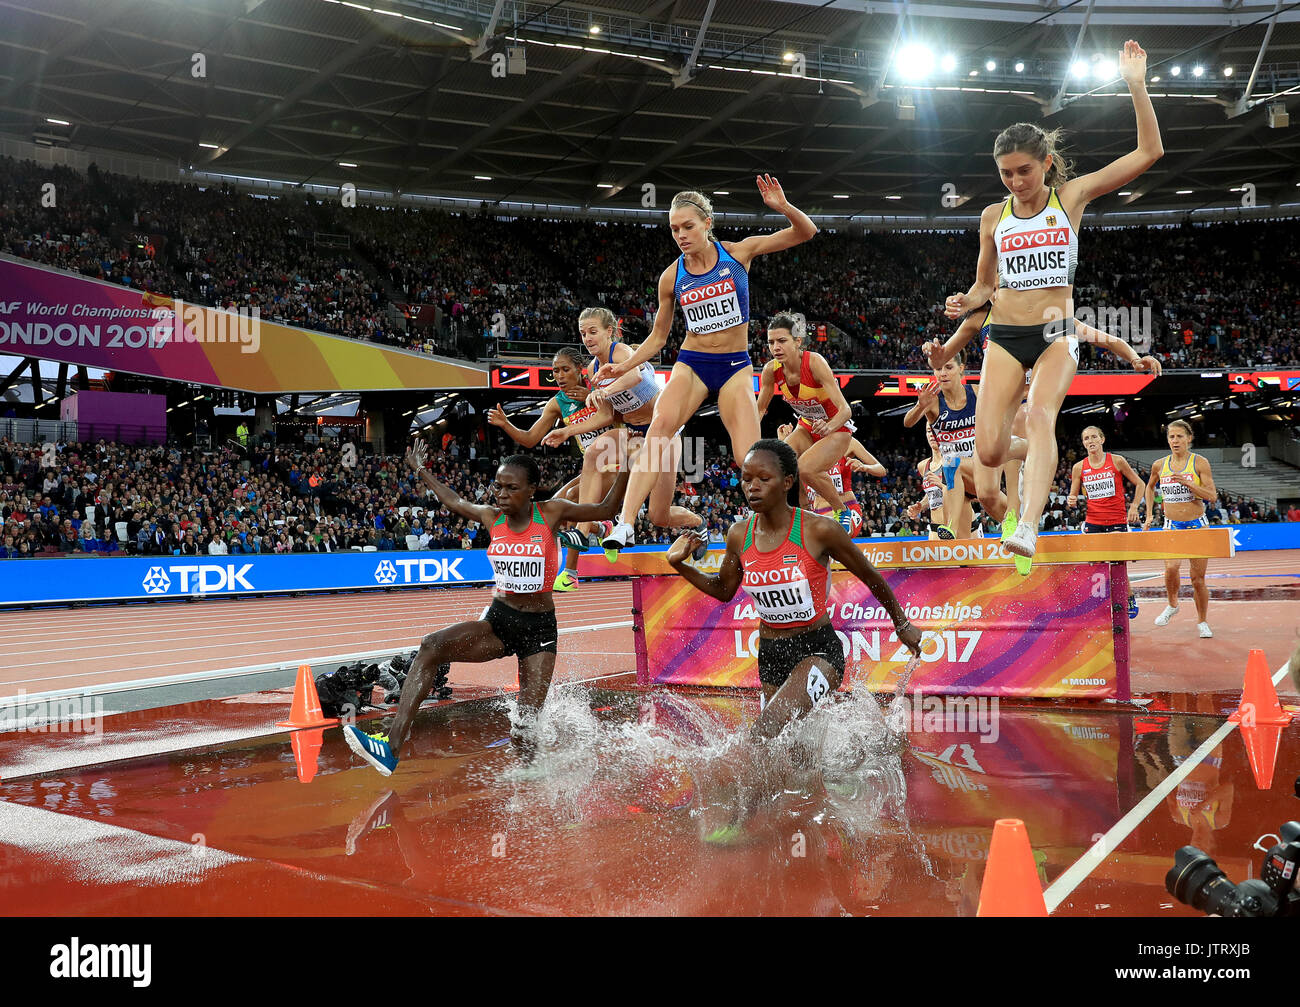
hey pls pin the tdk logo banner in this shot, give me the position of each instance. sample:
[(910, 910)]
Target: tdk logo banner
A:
[(205, 578), (159, 578), (418, 571)]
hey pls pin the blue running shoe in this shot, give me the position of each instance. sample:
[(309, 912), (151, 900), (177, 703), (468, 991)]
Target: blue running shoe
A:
[(845, 517), (373, 748), (1132, 607)]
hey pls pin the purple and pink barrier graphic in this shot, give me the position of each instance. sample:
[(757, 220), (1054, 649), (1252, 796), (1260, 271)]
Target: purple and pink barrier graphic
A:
[(988, 631)]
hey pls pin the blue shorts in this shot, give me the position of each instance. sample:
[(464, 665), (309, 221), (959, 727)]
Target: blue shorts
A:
[(1199, 522), (715, 369)]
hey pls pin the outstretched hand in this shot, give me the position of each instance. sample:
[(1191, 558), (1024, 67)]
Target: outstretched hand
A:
[(416, 455), (1133, 63), (772, 193)]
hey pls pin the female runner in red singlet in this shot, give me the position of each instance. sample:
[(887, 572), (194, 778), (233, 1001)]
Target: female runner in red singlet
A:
[(781, 555), (521, 619)]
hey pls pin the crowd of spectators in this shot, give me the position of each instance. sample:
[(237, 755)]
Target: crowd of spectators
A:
[(108, 498), (1194, 296)]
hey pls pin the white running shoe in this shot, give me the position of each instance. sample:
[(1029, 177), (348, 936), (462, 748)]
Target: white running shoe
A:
[(620, 537), (1024, 542), (1203, 628), (1163, 618)]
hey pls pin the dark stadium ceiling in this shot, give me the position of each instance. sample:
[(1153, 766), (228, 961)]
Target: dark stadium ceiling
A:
[(405, 90)]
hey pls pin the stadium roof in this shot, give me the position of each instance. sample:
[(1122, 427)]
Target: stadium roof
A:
[(417, 94)]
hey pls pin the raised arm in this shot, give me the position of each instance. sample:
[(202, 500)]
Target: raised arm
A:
[(1116, 345), (926, 405), (1078, 192), (557, 510), (531, 437), (598, 420), (937, 354), (722, 586), (800, 230), (448, 497), (658, 337)]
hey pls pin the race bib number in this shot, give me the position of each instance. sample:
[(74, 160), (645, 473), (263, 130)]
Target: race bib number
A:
[(712, 307), (779, 600), (1099, 485)]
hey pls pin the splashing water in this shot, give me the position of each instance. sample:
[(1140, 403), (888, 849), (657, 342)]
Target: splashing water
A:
[(844, 757)]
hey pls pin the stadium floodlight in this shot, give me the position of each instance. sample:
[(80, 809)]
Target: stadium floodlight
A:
[(1020, 66), (604, 185), (1198, 71), (1184, 192), (721, 192), (1175, 71), (914, 62), (484, 178), (57, 122), (789, 57), (974, 73), (839, 195), (1227, 71), (949, 63), (209, 146), (1105, 69), (347, 164), (1155, 79), (1126, 192), (893, 197), (991, 65), (594, 29), (1079, 68)]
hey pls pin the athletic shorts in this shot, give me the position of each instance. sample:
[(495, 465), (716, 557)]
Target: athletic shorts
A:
[(807, 425), (779, 656), (1200, 522), (715, 369), (1102, 529), (1027, 342), (523, 633)]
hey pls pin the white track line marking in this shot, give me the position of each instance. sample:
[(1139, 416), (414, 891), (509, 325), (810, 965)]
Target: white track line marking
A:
[(186, 677), (1074, 875)]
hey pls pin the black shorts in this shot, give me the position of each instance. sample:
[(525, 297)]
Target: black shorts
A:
[(1027, 342), (778, 656), (1101, 529), (523, 633)]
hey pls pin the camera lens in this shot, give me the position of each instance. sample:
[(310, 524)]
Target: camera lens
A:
[(1196, 880)]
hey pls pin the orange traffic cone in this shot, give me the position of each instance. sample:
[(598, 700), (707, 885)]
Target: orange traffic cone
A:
[(306, 752), (1261, 743), (1011, 886), (306, 711), (1259, 703)]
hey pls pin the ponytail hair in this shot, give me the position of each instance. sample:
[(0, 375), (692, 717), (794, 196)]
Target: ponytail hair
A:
[(697, 201), (1027, 138)]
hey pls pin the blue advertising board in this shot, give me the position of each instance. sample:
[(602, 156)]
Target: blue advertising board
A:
[(157, 578)]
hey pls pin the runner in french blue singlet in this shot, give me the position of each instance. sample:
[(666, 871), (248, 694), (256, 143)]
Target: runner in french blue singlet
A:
[(709, 282)]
